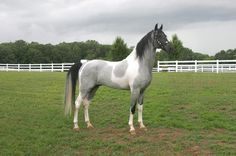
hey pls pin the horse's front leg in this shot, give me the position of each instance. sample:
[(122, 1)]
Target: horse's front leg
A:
[(134, 97), (140, 112)]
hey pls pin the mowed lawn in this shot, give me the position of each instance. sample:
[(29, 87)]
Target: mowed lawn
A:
[(185, 113)]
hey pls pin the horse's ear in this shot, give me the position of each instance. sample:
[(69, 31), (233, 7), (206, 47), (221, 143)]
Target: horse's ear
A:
[(156, 27), (161, 27)]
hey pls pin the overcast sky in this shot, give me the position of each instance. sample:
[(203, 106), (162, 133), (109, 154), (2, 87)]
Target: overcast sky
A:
[(206, 26)]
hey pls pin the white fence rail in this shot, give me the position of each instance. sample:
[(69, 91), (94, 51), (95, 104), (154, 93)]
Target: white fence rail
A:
[(42, 67), (197, 66), (46, 67), (162, 66)]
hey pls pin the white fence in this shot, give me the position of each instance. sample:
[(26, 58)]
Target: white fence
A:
[(47, 67), (162, 66), (197, 66), (42, 67)]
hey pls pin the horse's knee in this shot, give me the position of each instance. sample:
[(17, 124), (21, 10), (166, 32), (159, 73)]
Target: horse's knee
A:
[(140, 108)]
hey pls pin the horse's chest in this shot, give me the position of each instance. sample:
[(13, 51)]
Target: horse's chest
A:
[(146, 81), (142, 80)]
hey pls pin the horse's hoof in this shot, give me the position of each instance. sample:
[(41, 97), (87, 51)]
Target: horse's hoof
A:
[(90, 126), (143, 128), (132, 132), (76, 129)]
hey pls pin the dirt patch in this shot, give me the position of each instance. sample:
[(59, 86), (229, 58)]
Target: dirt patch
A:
[(157, 141), (197, 150)]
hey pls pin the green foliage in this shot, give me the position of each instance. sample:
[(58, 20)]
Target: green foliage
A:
[(23, 52), (185, 113), (178, 48), (7, 53), (180, 52), (226, 55), (119, 49)]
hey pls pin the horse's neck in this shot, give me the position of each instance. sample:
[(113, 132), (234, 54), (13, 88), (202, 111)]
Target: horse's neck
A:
[(132, 56), (147, 61)]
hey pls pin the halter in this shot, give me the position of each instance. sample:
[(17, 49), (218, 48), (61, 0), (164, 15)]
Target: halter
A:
[(156, 42)]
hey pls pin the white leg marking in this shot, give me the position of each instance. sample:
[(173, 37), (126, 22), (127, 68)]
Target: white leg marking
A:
[(140, 117), (86, 106), (140, 110), (86, 114), (131, 119), (77, 106)]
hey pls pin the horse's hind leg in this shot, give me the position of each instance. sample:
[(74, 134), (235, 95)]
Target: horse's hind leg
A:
[(86, 114), (87, 101), (77, 106)]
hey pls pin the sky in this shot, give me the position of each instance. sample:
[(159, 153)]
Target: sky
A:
[(205, 26)]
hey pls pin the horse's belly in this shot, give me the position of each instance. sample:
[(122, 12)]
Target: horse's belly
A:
[(121, 83), (107, 79)]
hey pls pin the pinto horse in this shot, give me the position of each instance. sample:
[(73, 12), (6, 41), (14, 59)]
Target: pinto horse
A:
[(133, 73)]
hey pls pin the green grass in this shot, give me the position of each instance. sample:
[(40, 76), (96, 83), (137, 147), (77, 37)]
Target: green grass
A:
[(185, 113)]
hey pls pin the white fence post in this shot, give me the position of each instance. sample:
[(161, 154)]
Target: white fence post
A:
[(158, 64), (29, 67), (7, 67), (52, 67), (18, 67), (40, 67), (176, 66), (62, 67), (195, 67), (217, 66)]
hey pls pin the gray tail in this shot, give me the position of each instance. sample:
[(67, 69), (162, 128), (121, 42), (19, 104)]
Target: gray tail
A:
[(71, 80)]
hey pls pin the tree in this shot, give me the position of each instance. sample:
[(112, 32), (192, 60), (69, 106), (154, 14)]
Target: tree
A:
[(7, 54), (162, 56), (20, 50), (226, 55), (177, 46), (119, 49), (180, 52)]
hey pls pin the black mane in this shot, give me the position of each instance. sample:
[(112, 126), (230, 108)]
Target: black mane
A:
[(140, 48)]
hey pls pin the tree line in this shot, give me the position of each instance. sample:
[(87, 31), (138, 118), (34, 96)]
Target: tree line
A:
[(22, 52), (25, 53), (184, 53)]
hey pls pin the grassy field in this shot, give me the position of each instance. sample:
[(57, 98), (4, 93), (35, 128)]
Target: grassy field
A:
[(185, 113)]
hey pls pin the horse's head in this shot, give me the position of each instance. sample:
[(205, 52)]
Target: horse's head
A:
[(160, 39)]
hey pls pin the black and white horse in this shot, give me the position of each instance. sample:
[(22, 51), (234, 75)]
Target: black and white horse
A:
[(134, 73)]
